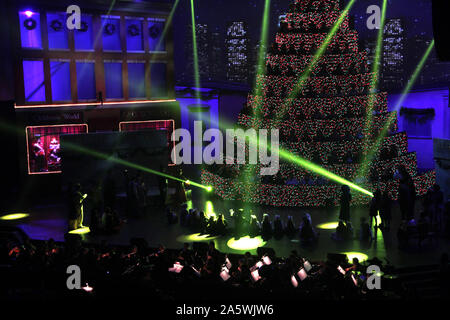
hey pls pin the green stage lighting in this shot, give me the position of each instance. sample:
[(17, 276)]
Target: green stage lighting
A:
[(166, 27), (294, 159), (209, 209), (129, 164), (375, 70), (195, 52), (321, 171), (262, 50), (328, 226), (195, 237), (314, 61), (82, 230), (367, 160), (361, 256), (14, 216), (246, 243)]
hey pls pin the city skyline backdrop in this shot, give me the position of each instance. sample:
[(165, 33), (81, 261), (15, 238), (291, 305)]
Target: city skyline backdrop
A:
[(214, 18)]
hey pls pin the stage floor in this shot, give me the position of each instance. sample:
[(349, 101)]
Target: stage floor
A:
[(50, 222)]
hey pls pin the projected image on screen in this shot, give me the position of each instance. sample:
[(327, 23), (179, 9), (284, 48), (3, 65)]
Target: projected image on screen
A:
[(44, 146)]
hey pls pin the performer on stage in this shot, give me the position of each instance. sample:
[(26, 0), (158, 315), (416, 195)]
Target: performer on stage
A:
[(76, 208), (346, 197)]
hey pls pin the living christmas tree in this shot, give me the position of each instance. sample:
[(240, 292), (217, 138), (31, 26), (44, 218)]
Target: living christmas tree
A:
[(323, 122)]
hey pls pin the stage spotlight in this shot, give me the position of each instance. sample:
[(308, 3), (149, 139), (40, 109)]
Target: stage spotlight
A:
[(209, 188), (14, 216), (361, 256), (28, 13), (246, 243), (195, 237), (209, 209), (328, 225), (82, 230)]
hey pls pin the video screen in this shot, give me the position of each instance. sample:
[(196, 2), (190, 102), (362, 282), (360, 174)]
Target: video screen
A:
[(166, 125), (43, 146)]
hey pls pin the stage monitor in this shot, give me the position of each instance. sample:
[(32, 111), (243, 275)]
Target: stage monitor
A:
[(43, 146)]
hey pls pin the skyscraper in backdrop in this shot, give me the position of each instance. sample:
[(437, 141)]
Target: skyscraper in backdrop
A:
[(237, 46), (393, 72)]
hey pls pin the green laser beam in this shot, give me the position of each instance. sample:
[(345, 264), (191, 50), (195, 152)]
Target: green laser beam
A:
[(263, 43), (6, 127), (129, 164), (194, 52), (317, 56), (167, 25), (370, 155), (306, 164), (261, 70), (373, 86)]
